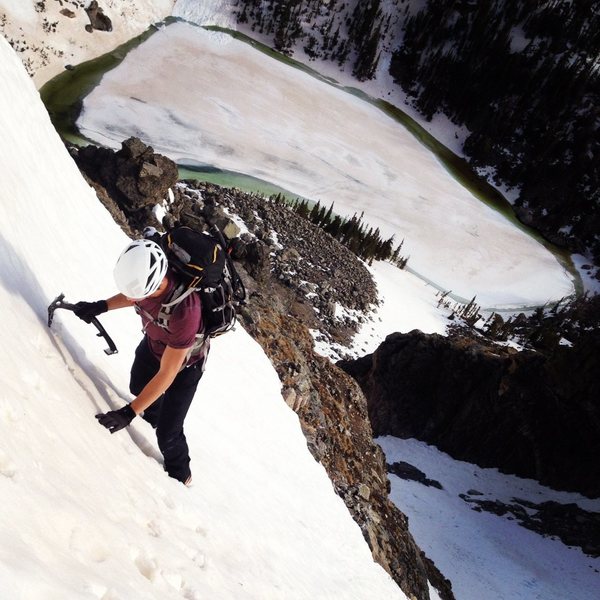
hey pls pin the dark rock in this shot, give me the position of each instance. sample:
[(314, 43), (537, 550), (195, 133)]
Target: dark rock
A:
[(135, 177), (98, 20), (525, 413), (257, 259), (409, 472), (571, 524), (117, 214)]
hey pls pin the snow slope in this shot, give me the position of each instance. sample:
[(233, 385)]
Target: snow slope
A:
[(488, 557), (238, 109), (90, 515), (208, 12)]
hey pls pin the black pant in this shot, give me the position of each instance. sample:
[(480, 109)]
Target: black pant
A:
[(167, 414)]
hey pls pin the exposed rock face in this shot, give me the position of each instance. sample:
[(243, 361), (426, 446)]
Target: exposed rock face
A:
[(98, 20), (333, 415), (111, 206), (135, 177), (525, 413)]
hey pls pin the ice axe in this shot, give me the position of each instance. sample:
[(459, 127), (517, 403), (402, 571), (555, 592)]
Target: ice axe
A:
[(59, 302)]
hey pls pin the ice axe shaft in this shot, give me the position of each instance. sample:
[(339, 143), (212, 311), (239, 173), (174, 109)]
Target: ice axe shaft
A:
[(59, 302)]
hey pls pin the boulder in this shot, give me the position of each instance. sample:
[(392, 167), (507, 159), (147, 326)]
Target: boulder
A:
[(98, 20), (135, 177)]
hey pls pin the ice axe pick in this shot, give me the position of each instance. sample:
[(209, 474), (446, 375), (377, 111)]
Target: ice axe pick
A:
[(59, 302)]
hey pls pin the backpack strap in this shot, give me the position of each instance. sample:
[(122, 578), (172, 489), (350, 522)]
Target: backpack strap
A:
[(200, 347), (180, 293)]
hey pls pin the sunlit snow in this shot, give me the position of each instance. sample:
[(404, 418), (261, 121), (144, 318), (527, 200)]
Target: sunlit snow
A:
[(87, 515), (51, 39), (90, 515)]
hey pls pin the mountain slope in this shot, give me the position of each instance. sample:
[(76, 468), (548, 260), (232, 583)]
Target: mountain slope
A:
[(50, 35), (89, 515)]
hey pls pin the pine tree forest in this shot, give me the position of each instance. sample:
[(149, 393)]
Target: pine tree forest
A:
[(523, 77), (354, 233)]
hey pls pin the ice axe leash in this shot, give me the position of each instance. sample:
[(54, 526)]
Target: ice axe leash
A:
[(59, 302)]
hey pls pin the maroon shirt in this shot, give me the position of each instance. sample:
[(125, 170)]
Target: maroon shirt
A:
[(184, 323)]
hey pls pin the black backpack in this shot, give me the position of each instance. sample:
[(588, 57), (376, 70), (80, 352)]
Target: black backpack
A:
[(203, 265)]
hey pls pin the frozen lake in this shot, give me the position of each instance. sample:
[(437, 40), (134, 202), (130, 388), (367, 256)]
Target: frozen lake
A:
[(204, 98)]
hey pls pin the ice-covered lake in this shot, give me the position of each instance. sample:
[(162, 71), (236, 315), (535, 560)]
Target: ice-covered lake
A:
[(203, 97)]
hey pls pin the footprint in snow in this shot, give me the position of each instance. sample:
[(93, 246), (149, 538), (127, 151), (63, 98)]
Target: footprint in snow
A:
[(147, 567), (7, 466), (88, 545)]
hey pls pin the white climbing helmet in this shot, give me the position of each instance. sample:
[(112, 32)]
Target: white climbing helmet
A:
[(140, 269)]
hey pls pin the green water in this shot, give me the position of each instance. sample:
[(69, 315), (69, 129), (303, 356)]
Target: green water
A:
[(63, 97), (231, 179)]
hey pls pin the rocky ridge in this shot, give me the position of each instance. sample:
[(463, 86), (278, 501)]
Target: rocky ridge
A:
[(312, 265), (294, 274)]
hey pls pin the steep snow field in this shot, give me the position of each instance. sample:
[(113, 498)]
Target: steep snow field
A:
[(90, 515), (238, 109)]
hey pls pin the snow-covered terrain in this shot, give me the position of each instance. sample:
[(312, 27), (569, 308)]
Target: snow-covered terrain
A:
[(236, 108), (90, 515), (406, 303), (51, 34), (486, 556)]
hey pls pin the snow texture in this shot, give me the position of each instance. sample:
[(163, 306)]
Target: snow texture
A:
[(52, 40), (90, 515), (487, 556)]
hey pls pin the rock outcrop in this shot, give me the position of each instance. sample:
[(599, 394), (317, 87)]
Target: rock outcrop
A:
[(98, 20), (135, 177), (525, 413), (568, 522), (333, 416)]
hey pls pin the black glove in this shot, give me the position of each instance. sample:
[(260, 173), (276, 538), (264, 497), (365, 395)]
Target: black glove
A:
[(115, 420), (86, 311)]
